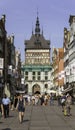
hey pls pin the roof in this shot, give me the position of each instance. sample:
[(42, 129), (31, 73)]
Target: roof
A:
[(37, 42)]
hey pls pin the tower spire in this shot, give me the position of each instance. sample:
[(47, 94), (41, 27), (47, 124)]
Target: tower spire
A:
[(37, 12), (37, 27)]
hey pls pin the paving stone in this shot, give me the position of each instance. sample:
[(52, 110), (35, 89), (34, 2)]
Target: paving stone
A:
[(40, 118), (40, 128)]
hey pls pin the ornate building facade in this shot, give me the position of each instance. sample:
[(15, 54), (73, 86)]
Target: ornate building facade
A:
[(37, 67), (69, 56)]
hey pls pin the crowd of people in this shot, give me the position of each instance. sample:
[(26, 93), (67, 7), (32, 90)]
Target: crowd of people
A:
[(19, 103)]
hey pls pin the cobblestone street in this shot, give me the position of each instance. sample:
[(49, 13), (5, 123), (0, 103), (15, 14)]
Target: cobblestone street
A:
[(40, 118)]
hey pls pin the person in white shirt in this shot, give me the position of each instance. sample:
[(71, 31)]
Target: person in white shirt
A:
[(6, 103)]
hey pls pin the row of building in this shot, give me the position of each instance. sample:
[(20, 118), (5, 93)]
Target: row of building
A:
[(64, 59), (10, 61)]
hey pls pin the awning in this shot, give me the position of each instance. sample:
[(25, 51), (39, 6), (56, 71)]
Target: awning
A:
[(51, 91), (19, 91)]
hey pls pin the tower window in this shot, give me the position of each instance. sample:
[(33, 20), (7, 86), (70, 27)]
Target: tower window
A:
[(33, 73)]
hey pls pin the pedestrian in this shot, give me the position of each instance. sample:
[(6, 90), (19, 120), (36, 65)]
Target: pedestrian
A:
[(33, 99), (21, 107), (15, 101), (51, 99), (42, 99), (36, 99), (46, 99), (1, 108), (6, 105), (29, 100), (68, 104), (59, 100), (63, 99), (12, 102)]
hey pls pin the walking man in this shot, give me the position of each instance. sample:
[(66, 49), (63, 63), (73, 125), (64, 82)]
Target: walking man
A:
[(6, 103)]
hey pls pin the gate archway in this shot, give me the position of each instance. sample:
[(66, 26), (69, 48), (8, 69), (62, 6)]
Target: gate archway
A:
[(36, 89)]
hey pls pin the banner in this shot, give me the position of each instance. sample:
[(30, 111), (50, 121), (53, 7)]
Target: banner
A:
[(1, 63), (61, 74), (73, 69), (67, 71)]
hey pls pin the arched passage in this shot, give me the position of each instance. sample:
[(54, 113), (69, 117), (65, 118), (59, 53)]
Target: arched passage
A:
[(36, 89)]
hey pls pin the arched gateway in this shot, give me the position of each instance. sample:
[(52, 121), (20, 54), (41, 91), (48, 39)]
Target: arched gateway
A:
[(36, 89)]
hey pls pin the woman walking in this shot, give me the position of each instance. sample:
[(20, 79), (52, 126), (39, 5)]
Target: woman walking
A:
[(21, 108)]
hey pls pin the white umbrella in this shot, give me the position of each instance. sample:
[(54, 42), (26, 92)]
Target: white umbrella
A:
[(51, 91)]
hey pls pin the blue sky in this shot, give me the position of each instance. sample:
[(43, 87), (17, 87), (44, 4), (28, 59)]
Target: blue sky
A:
[(21, 16)]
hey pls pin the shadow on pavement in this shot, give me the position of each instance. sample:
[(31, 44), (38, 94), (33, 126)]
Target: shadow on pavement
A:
[(6, 129), (11, 116), (26, 120)]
